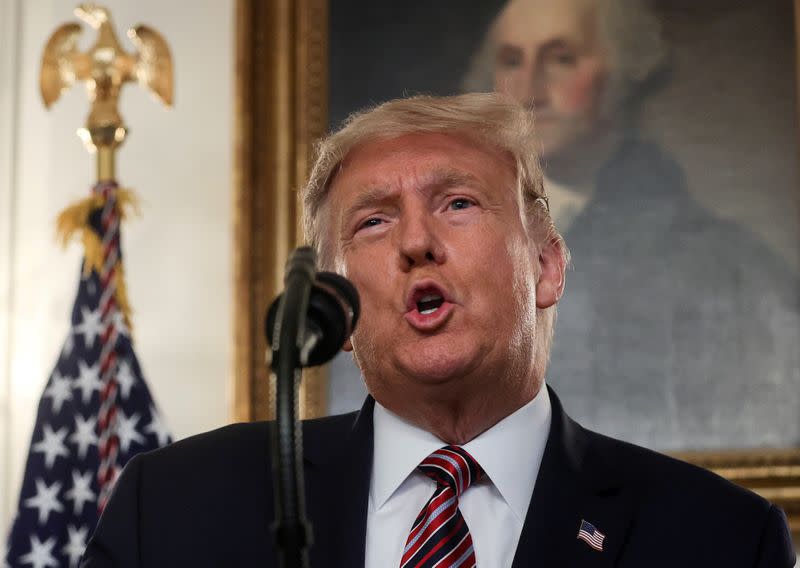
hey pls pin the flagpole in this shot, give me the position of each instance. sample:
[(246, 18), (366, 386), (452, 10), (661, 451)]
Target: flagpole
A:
[(105, 68), (106, 162), (103, 141), (96, 395)]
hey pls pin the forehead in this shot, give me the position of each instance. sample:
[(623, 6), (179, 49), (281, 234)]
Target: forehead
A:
[(409, 161), (531, 22)]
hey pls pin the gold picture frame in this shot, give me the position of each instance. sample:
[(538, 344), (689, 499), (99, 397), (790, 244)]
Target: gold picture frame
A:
[(281, 108)]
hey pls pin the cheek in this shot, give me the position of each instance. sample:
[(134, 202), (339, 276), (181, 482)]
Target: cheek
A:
[(370, 323), (507, 262), (371, 294), (508, 82), (370, 273), (580, 92)]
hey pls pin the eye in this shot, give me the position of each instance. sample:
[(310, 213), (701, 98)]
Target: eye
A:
[(565, 58), (509, 57), (371, 222), (460, 203), (560, 55)]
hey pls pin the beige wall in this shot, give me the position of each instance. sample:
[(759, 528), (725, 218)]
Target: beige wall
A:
[(178, 254)]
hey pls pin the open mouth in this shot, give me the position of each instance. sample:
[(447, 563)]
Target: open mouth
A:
[(429, 303)]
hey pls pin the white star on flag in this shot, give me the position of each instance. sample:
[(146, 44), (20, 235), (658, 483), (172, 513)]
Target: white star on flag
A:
[(81, 490), (90, 327), (52, 445), (125, 379), (84, 435), (157, 427), (77, 543), (60, 390), (88, 381), (60, 492), (126, 430), (41, 554), (45, 500)]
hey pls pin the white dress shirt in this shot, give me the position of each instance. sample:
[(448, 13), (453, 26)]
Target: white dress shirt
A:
[(494, 509)]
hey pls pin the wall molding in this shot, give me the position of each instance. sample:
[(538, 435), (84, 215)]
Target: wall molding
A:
[(10, 71)]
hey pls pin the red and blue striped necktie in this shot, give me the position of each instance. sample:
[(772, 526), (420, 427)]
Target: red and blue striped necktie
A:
[(440, 536)]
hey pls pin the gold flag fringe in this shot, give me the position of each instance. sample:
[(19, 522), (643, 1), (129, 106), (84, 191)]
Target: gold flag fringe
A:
[(75, 219)]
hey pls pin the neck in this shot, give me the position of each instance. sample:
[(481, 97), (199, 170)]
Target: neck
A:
[(457, 416)]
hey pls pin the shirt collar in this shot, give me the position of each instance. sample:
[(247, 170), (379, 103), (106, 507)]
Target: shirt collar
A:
[(510, 452)]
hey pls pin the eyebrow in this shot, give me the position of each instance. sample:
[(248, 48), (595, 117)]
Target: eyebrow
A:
[(438, 178), (508, 48), (368, 196)]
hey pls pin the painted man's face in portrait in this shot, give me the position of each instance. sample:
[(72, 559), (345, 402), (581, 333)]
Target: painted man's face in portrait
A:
[(551, 54)]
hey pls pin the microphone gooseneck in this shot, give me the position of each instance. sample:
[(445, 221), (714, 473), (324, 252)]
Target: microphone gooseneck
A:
[(306, 325)]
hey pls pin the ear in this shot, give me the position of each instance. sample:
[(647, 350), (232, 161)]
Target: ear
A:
[(348, 346), (552, 267)]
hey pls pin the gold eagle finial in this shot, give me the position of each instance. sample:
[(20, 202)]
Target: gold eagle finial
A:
[(105, 67)]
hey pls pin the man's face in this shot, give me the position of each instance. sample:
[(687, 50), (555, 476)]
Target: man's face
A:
[(550, 54), (428, 227)]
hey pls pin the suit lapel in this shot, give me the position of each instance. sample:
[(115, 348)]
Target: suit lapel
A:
[(574, 484), (338, 469)]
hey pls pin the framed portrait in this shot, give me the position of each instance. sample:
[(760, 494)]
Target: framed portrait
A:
[(669, 145)]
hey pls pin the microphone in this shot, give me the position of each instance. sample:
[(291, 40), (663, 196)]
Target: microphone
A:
[(306, 325), (330, 317)]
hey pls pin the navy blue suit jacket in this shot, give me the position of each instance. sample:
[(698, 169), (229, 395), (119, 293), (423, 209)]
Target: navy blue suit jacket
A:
[(207, 501)]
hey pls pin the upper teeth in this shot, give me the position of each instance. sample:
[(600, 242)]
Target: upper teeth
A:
[(424, 303)]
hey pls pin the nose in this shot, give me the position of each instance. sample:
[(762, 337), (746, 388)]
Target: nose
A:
[(529, 84), (418, 242), (540, 93)]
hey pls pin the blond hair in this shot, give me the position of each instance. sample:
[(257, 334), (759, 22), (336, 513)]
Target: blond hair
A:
[(491, 119)]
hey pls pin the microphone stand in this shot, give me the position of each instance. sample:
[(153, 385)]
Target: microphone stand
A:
[(292, 530)]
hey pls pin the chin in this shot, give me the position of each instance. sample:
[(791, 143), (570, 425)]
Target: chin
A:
[(559, 139), (435, 363)]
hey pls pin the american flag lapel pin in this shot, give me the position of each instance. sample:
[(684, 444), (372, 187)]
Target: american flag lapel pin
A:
[(591, 536)]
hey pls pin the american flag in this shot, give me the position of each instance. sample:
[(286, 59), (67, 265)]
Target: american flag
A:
[(591, 535), (58, 504)]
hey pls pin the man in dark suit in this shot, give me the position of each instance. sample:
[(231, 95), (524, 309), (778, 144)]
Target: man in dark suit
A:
[(461, 456)]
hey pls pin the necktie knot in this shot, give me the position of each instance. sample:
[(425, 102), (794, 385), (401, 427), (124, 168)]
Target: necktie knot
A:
[(452, 466), (440, 536)]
